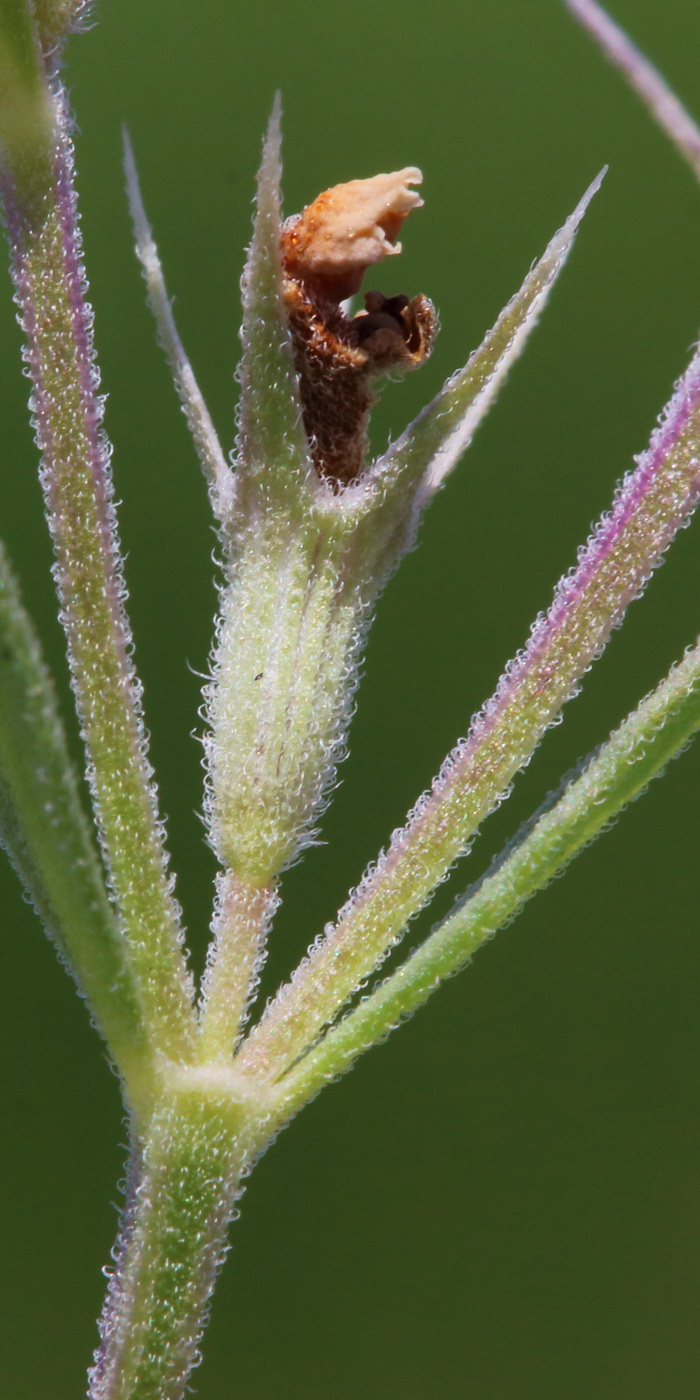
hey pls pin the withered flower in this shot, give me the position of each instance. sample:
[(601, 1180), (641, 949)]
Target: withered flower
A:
[(348, 228), (326, 251)]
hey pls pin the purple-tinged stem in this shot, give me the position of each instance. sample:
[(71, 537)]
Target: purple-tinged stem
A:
[(616, 774), (41, 217), (646, 80), (651, 504)]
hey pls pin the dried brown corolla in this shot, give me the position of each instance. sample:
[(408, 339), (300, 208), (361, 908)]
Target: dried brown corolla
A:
[(326, 251)]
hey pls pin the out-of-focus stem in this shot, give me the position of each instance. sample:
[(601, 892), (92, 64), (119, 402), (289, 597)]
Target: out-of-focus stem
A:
[(637, 752), (26, 116), (652, 504), (47, 838), (50, 288), (657, 96), (55, 19)]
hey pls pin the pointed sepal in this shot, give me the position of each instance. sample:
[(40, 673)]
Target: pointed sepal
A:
[(272, 448), (217, 471), (383, 509)]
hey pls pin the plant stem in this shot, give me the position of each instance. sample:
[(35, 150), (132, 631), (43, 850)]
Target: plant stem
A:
[(186, 1178), (50, 284), (643, 77)]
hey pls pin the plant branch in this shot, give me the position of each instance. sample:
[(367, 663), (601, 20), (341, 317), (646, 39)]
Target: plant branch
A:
[(50, 289), (638, 751), (643, 77), (56, 19)]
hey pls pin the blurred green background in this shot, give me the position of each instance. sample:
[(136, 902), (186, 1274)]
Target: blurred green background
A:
[(502, 1202)]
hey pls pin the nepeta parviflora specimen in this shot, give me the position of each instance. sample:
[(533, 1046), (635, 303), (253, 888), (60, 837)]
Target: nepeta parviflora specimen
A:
[(309, 531)]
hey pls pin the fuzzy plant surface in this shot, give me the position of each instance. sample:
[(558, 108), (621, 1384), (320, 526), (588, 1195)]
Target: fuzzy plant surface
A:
[(310, 526)]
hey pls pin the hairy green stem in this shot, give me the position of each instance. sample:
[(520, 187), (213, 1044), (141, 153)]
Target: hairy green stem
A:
[(42, 225), (186, 1177)]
